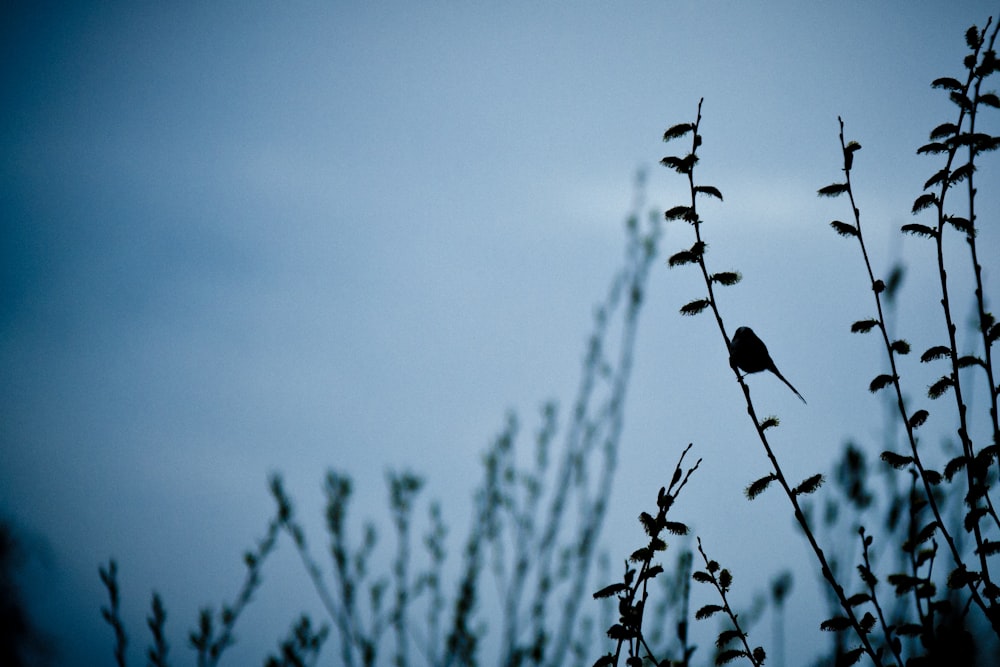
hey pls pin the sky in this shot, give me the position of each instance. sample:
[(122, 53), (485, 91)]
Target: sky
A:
[(240, 238)]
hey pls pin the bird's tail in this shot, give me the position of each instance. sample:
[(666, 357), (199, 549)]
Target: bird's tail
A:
[(782, 378)]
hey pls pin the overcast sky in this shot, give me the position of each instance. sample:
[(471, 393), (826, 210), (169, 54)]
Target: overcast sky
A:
[(247, 237)]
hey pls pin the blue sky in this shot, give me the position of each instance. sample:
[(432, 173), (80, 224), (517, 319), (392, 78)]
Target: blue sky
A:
[(240, 238)]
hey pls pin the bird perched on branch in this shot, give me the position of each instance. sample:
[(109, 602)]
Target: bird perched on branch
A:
[(749, 354)]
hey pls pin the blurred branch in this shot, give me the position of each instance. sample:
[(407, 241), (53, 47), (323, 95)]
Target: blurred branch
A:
[(112, 613)]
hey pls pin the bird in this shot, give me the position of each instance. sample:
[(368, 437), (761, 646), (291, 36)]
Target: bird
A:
[(749, 354)]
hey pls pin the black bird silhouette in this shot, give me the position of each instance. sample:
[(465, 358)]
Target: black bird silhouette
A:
[(749, 354)]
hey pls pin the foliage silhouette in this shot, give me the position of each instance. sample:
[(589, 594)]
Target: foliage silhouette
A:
[(939, 617), (535, 528), (22, 642)]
